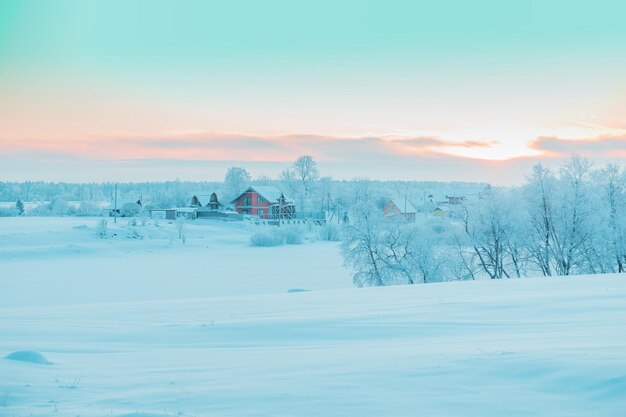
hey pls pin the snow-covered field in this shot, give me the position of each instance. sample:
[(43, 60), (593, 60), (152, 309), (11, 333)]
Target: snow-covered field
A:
[(154, 327)]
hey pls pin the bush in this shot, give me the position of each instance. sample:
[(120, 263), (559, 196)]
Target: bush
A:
[(88, 208), (293, 235), (267, 238), (59, 207), (330, 232), (129, 210)]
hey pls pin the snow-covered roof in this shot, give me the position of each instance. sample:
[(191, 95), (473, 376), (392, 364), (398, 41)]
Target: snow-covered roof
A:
[(186, 209), (404, 206), (203, 196), (269, 192)]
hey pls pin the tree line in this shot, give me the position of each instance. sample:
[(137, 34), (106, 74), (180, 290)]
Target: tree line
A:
[(564, 221), (301, 181)]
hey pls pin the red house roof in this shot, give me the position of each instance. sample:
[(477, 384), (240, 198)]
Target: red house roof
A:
[(268, 192)]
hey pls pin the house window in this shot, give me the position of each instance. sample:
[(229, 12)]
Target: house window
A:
[(260, 212), (246, 201), (259, 199)]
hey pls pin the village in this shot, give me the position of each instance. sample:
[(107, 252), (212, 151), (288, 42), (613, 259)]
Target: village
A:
[(267, 204)]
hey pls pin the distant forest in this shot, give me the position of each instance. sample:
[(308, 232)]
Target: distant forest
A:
[(324, 191)]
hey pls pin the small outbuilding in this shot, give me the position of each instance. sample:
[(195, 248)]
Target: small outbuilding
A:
[(206, 204), (205, 200), (163, 214)]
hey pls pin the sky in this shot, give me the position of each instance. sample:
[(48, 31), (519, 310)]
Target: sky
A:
[(424, 90)]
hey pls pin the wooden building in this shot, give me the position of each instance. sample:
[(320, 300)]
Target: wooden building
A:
[(265, 202)]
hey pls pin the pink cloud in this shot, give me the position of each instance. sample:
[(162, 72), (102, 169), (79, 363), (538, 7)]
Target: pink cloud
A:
[(213, 146), (601, 146)]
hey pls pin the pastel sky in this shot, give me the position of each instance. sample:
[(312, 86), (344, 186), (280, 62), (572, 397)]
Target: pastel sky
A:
[(426, 90)]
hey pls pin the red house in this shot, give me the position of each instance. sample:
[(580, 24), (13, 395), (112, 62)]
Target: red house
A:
[(400, 208), (266, 202)]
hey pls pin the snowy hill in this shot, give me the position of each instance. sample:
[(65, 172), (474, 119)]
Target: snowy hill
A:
[(173, 331)]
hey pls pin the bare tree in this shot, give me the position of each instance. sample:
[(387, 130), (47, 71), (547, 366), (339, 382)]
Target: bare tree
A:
[(235, 182), (571, 231), (487, 224), (612, 183), (300, 178), (361, 250), (429, 252), (305, 169), (539, 195)]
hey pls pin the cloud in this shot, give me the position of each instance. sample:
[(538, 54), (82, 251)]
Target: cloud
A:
[(601, 146), (435, 146), (229, 146), (207, 155)]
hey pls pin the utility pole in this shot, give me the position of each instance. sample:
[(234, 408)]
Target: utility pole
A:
[(115, 205), (280, 208)]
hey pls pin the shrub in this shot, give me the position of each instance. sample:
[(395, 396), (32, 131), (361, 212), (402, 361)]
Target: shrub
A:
[(267, 238), (59, 207), (88, 208), (129, 210), (293, 235), (330, 232)]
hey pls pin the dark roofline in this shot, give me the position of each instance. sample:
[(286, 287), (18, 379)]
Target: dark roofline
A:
[(252, 188)]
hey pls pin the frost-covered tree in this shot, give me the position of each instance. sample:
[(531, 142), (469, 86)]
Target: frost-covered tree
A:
[(572, 228), (305, 170), (88, 208), (289, 182), (564, 221), (325, 193), (383, 251), (58, 207), (398, 252), (561, 216), (130, 209), (462, 261), (360, 250), (236, 181), (611, 181), (540, 199), (429, 251), (488, 225), (300, 178), (518, 242)]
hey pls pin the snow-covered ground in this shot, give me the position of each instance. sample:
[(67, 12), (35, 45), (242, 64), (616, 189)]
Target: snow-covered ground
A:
[(154, 327), (58, 261)]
